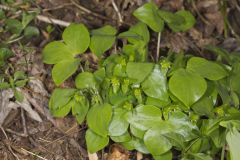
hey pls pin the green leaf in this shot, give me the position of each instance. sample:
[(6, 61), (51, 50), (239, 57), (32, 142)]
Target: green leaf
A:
[(63, 70), (99, 118), (233, 140), (77, 38), (137, 144), (63, 110), (203, 107), (235, 77), (148, 14), (55, 52), (119, 123), (19, 75), (18, 95), (122, 138), (4, 85), (145, 117), (95, 142), (137, 132), (136, 33), (207, 69), (100, 74), (85, 80), (156, 85), (31, 31), (59, 98), (14, 26), (21, 83), (187, 21), (26, 19), (156, 143), (5, 53), (188, 87), (102, 39), (201, 156), (80, 108), (139, 71), (166, 156)]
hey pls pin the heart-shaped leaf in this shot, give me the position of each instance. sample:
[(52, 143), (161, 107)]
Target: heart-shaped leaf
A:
[(102, 39), (99, 117), (156, 143), (85, 80), (207, 69), (145, 117), (63, 70), (77, 38), (148, 14), (119, 123), (55, 52), (156, 85), (139, 71), (188, 87), (95, 142)]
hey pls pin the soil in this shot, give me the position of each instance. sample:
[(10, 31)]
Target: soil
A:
[(24, 138)]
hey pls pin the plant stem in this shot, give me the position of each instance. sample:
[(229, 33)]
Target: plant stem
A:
[(223, 152), (158, 46)]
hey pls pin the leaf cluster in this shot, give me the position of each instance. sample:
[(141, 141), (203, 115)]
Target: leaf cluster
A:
[(182, 102)]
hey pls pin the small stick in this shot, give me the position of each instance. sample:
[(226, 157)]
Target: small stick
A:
[(158, 46), (25, 132), (9, 147), (53, 21), (58, 7), (40, 157), (88, 11), (117, 10)]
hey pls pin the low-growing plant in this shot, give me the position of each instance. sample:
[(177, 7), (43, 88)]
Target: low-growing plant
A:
[(179, 102)]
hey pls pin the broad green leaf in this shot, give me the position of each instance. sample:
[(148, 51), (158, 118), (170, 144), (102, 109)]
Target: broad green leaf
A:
[(100, 74), (122, 138), (176, 139), (235, 77), (62, 111), (138, 32), (80, 108), (14, 26), (207, 69), (31, 31), (119, 123), (95, 142), (99, 118), (139, 71), (156, 85), (203, 107), (185, 21), (166, 156), (137, 132), (148, 14), (233, 141), (64, 69), (145, 117), (85, 80), (188, 87), (55, 52), (60, 97), (102, 39), (137, 144), (201, 156), (156, 143), (77, 38)]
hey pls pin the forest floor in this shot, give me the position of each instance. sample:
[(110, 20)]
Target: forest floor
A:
[(29, 131)]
